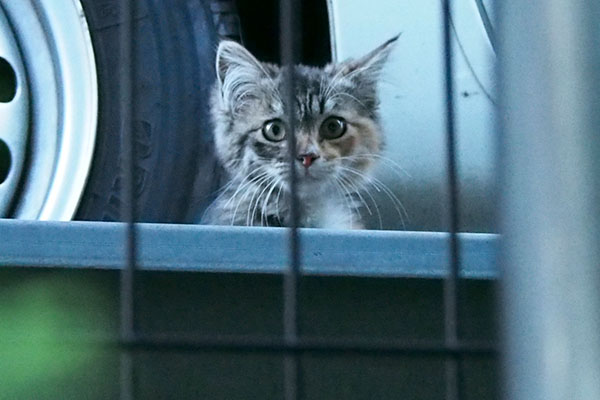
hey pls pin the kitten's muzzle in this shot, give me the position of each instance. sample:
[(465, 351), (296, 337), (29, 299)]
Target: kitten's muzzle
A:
[(307, 158)]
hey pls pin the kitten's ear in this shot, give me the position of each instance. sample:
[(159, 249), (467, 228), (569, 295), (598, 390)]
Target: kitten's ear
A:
[(370, 65), (240, 75), (234, 61)]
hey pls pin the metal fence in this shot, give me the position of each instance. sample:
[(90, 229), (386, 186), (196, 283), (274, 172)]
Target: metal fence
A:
[(550, 296), (292, 344)]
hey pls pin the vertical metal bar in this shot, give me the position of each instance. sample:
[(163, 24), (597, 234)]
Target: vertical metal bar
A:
[(451, 281), (550, 120), (487, 22), (127, 283), (289, 26)]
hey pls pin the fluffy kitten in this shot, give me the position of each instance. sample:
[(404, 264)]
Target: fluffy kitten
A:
[(338, 138)]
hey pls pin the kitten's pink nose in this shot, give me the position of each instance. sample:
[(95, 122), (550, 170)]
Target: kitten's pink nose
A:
[(307, 159)]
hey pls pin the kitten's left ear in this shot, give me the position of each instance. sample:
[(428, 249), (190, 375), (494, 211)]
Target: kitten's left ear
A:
[(239, 75), (234, 62), (371, 64)]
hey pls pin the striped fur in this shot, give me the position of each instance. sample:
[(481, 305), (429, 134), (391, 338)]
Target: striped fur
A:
[(248, 93)]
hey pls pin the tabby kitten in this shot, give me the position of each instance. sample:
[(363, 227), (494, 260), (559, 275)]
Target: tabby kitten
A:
[(338, 138)]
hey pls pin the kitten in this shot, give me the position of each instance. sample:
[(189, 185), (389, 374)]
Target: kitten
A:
[(338, 138)]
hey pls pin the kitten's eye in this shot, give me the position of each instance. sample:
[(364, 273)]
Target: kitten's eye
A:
[(274, 130), (332, 128)]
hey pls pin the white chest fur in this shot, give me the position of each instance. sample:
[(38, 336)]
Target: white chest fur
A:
[(328, 210)]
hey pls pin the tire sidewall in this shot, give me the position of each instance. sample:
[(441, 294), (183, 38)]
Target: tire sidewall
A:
[(174, 167)]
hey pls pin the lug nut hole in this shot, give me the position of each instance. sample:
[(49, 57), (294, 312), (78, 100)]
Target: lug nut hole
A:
[(5, 161), (8, 81)]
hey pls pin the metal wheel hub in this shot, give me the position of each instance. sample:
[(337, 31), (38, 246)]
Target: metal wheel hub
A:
[(48, 108)]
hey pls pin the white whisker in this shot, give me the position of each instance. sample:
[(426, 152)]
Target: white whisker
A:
[(355, 190), (350, 96), (394, 166), (248, 189), (342, 189), (380, 186), (277, 202), (258, 186), (362, 186), (276, 182), (246, 181), (266, 184)]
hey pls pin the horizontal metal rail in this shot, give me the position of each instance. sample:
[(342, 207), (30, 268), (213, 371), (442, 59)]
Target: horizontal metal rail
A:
[(173, 342), (100, 245)]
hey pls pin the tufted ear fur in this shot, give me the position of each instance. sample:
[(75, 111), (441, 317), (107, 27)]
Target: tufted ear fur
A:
[(239, 74), (368, 67), (233, 58)]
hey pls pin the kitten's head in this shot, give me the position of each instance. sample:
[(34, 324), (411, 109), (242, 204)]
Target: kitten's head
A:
[(336, 126)]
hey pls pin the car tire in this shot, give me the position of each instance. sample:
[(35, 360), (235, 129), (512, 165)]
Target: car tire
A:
[(175, 170)]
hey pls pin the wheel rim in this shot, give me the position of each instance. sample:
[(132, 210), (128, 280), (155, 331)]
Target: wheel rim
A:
[(53, 113)]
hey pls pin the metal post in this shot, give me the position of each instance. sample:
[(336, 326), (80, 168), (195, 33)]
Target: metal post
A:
[(289, 25), (451, 312), (128, 208), (549, 56)]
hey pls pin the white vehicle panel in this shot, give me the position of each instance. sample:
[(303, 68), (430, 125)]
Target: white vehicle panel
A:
[(413, 106)]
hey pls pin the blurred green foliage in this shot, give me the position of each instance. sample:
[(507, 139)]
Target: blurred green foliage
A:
[(49, 320), (42, 316)]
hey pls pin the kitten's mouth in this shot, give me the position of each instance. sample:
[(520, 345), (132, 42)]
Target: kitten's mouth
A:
[(309, 175)]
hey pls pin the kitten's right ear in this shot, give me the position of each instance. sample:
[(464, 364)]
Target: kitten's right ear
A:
[(233, 60), (369, 67), (240, 75)]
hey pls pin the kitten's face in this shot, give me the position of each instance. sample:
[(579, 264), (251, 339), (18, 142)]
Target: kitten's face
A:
[(336, 126)]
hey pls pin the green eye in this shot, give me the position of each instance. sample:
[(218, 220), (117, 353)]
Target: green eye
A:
[(274, 130), (332, 128)]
